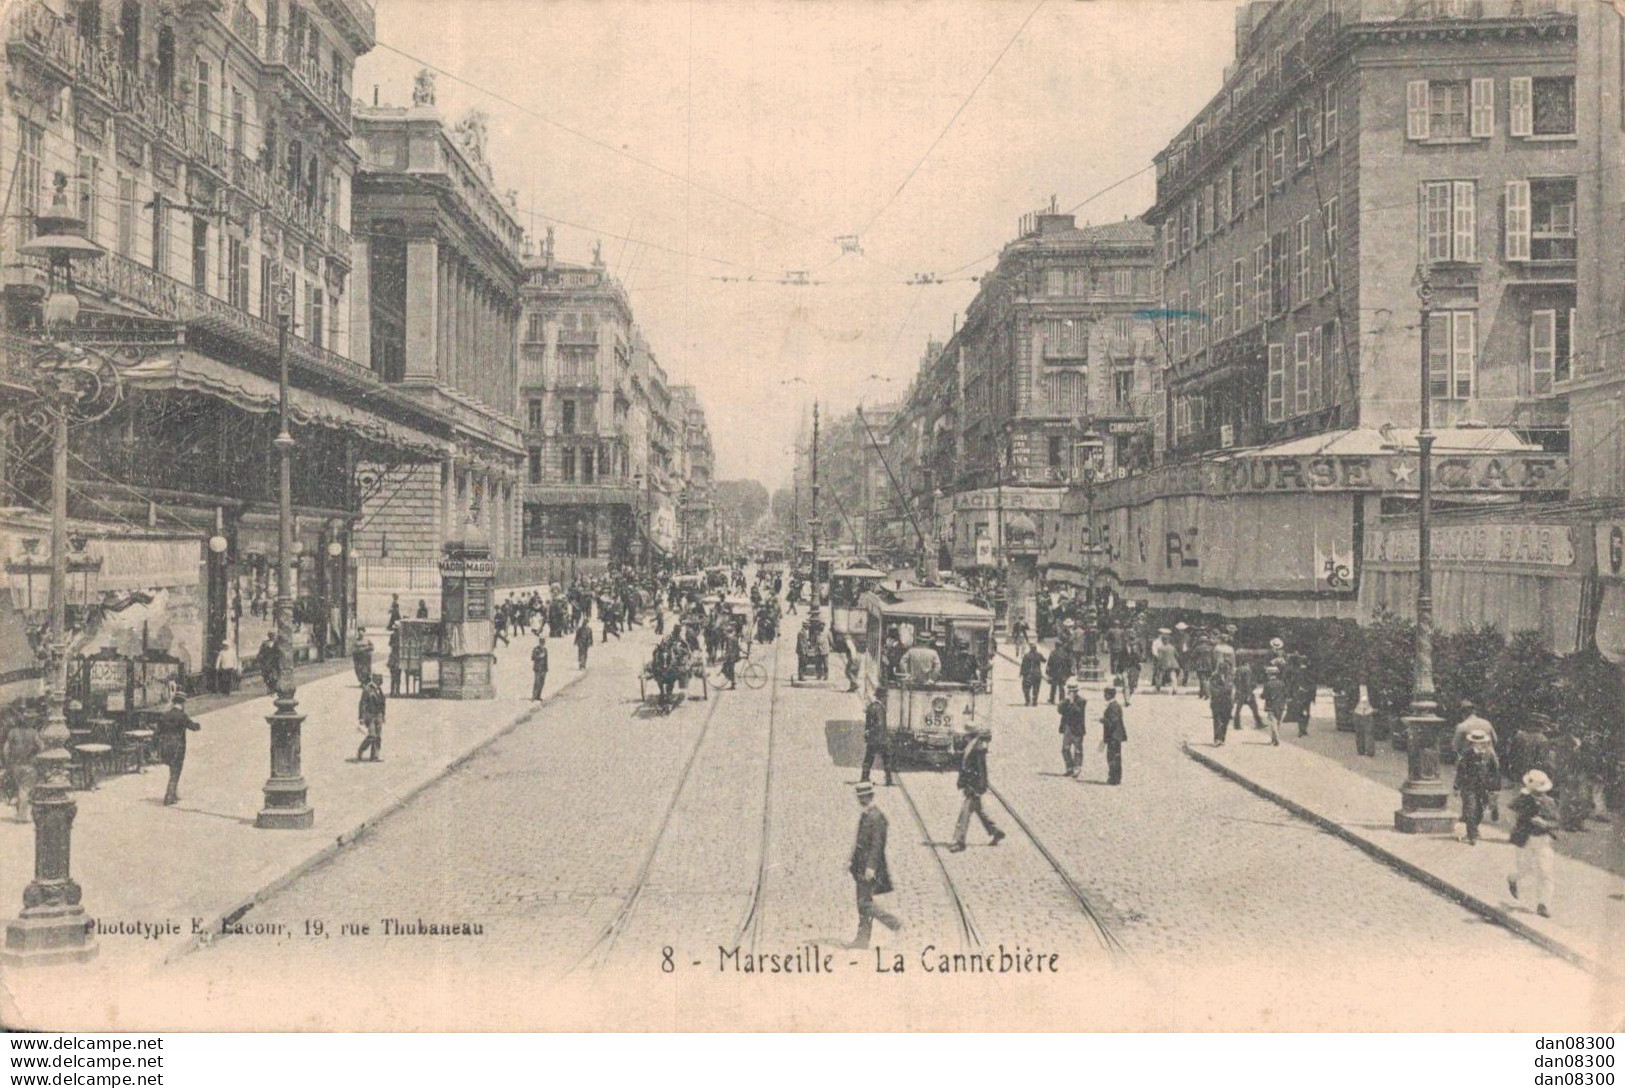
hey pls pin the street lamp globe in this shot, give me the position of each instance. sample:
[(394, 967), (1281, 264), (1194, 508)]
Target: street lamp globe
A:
[(217, 544)]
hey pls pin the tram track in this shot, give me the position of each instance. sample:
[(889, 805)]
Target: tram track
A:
[(1102, 929), (969, 938), (597, 954), (750, 927)]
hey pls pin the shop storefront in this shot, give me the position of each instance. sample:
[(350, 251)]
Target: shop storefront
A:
[(1281, 531)]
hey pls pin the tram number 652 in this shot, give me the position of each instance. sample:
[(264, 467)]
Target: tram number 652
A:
[(936, 721)]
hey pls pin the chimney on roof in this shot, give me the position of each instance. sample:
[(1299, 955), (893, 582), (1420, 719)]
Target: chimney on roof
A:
[(1055, 223)]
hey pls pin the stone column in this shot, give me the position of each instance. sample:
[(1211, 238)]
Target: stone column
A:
[(448, 498), (360, 302), (422, 287)]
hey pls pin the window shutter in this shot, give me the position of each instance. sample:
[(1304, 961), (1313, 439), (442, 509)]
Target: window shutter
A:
[(1465, 242), (1542, 350), (1568, 369), (1483, 115), (1416, 109), (1521, 116), (1317, 364), (1300, 373), (1463, 352), (1275, 395), (1439, 355), (1517, 221)]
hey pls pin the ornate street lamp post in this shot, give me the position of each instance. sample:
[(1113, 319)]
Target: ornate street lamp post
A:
[(52, 927), (285, 804), (1423, 797)]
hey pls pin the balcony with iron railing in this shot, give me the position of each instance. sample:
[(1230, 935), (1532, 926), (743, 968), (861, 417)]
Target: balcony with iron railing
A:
[(283, 49), (36, 34), (118, 278)]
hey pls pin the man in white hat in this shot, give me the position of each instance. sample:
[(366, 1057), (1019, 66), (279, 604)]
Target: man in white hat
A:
[(868, 866), (1536, 825)]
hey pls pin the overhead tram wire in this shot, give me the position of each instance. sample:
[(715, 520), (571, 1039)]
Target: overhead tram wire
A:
[(688, 182), (873, 219)]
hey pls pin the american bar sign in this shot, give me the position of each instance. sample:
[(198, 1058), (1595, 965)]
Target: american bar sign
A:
[(1526, 544)]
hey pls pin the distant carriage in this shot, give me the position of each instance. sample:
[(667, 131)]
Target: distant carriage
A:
[(929, 723)]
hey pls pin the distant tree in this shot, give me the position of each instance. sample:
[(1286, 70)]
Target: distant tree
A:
[(743, 502)]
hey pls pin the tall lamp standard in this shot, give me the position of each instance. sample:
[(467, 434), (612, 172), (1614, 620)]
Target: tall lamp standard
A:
[(1423, 796), (52, 926), (286, 807)]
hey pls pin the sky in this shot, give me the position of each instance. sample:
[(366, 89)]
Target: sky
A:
[(702, 143)]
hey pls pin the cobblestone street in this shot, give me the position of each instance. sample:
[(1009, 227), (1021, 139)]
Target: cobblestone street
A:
[(600, 847)]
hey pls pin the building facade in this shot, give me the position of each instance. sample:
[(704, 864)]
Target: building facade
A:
[(696, 499), (438, 274), (1364, 160), (206, 147)]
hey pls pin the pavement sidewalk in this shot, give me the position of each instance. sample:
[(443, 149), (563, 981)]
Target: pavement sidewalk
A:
[(188, 867), (1307, 777), (1588, 922)]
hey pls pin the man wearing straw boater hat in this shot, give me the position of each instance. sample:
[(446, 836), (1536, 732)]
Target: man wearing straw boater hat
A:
[(868, 867), (1478, 774)]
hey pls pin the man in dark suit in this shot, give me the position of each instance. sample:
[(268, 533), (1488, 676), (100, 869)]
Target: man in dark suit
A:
[(1112, 737), (1032, 674), (1073, 708), (172, 729), (538, 668), (972, 784), (868, 867), (874, 736)]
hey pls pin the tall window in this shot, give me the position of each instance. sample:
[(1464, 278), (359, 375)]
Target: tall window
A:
[(1331, 360), (1328, 222), (237, 273), (1305, 266), (1278, 155), (567, 465), (534, 408), (129, 37), (1123, 388), (1551, 340), (204, 117), (126, 215), (587, 466), (534, 466), (1184, 324), (1260, 177), (1280, 273), (1066, 341), (1452, 354), (200, 253), (1238, 281), (89, 181), (268, 290), (1238, 189), (1220, 313), (1540, 223), (1449, 216), (1123, 328), (1541, 106), (1261, 283), (1328, 114), (315, 299), (30, 180), (238, 120), (1306, 116), (535, 328), (1221, 200), (567, 417), (1123, 282), (1275, 387), (160, 234)]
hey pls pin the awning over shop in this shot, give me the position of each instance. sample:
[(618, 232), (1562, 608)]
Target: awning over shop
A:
[(196, 373), (1019, 524)]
